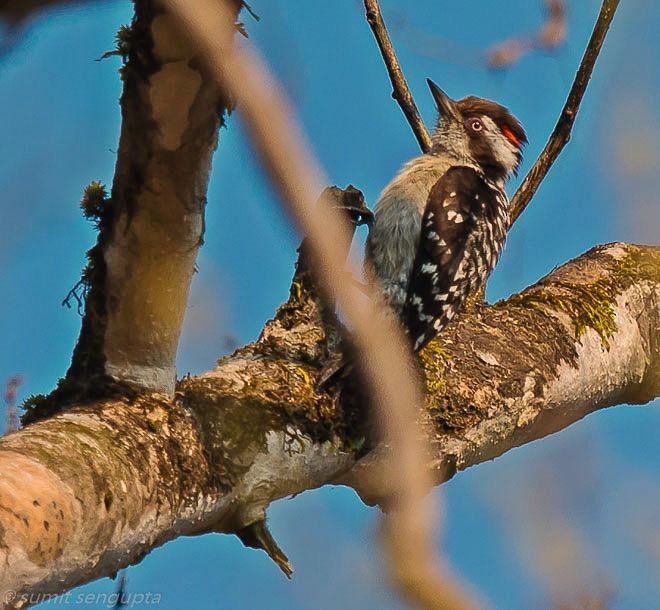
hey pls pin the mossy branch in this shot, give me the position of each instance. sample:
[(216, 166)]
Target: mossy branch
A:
[(257, 428)]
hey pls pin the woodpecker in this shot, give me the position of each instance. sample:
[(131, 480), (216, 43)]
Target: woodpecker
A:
[(441, 223)]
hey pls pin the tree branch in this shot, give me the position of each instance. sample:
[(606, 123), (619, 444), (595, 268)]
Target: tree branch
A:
[(109, 481), (583, 338), (151, 227), (562, 131), (400, 92)]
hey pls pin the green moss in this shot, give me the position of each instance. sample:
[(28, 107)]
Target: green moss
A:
[(94, 200), (86, 378), (290, 390), (123, 41), (123, 44), (592, 305), (32, 405), (76, 388), (300, 308), (587, 306), (433, 359), (640, 264), (278, 395)]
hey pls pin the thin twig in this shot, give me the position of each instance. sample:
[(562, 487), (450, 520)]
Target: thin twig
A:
[(562, 131), (384, 357), (401, 92), (249, 9), (79, 293)]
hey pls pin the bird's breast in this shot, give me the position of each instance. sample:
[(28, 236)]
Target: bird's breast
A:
[(394, 236)]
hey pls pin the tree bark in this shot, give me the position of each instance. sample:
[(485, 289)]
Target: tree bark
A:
[(171, 113), (109, 481), (138, 275)]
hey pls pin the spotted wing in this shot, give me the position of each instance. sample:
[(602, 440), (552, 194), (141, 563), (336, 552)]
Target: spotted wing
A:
[(442, 276)]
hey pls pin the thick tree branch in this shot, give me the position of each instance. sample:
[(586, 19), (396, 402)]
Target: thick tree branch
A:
[(562, 131), (109, 481), (585, 337), (151, 227), (171, 112), (400, 90)]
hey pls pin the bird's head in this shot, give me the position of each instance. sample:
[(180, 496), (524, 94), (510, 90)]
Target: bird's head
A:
[(477, 131)]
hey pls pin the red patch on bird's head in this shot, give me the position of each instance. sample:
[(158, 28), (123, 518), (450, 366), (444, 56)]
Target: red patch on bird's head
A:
[(512, 137)]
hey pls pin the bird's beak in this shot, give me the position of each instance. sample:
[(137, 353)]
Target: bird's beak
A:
[(446, 105)]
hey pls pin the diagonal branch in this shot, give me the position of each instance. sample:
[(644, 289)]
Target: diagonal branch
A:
[(400, 92), (583, 338), (93, 490), (562, 131)]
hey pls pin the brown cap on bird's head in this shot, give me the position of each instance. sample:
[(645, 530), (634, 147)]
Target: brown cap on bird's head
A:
[(472, 105), (508, 124), (475, 114)]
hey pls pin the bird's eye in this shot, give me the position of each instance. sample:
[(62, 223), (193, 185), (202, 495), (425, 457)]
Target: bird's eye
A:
[(475, 125)]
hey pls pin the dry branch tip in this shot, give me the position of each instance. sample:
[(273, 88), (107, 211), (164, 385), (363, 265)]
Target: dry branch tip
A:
[(401, 92), (258, 536)]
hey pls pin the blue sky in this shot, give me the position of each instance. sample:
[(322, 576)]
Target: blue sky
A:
[(59, 120)]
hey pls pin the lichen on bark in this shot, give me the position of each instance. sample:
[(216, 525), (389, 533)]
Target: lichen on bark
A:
[(591, 305)]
